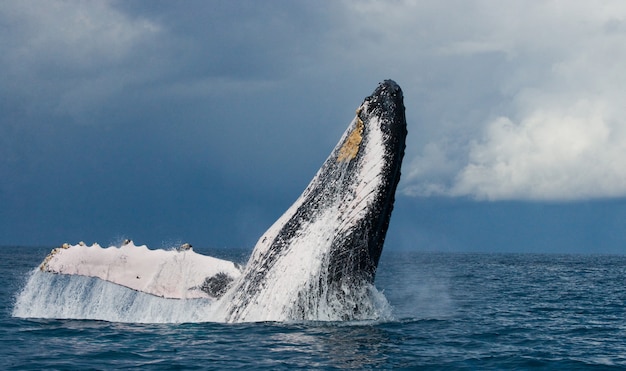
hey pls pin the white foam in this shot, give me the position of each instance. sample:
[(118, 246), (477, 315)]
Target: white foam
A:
[(48, 295), (59, 296)]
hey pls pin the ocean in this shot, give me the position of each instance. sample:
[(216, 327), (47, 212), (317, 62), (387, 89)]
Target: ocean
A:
[(448, 311)]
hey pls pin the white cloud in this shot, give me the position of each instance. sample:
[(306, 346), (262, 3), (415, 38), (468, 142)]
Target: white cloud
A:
[(550, 155), (505, 100), (552, 124), (566, 137)]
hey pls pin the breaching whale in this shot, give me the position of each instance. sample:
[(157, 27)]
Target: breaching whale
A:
[(316, 262)]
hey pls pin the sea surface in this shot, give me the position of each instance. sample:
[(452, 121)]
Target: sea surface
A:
[(449, 311)]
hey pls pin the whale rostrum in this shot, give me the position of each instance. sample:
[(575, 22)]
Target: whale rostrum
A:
[(318, 261)]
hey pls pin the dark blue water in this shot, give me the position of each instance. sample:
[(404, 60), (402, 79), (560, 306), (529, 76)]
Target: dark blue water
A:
[(452, 311)]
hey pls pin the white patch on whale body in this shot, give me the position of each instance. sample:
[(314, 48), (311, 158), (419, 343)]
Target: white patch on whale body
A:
[(292, 272)]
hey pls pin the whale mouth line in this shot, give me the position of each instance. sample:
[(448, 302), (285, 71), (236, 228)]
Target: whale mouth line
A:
[(316, 262)]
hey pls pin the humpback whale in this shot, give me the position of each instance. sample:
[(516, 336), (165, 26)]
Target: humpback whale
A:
[(318, 261)]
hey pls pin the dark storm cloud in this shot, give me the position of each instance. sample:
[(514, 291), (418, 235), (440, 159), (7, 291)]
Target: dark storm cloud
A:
[(141, 117), (204, 120)]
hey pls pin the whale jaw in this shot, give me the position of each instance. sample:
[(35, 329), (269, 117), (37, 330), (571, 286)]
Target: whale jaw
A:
[(319, 259)]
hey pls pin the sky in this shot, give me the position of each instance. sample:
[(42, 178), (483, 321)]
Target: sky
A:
[(202, 121)]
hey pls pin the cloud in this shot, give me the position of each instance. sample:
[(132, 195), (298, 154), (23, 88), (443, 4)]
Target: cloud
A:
[(557, 154), (494, 92), (556, 129), (219, 107), (69, 57)]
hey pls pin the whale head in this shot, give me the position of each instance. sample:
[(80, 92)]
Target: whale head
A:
[(319, 257)]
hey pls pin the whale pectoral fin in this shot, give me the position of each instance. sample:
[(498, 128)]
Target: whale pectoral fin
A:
[(174, 274)]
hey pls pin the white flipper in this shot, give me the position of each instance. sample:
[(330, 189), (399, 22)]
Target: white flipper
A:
[(175, 274)]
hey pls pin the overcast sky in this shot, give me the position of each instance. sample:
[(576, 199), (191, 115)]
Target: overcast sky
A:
[(203, 121)]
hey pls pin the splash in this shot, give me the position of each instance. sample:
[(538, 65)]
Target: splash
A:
[(58, 296), (134, 284), (48, 295)]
